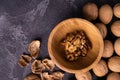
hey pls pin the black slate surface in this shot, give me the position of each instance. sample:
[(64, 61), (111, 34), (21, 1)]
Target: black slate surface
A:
[(22, 21)]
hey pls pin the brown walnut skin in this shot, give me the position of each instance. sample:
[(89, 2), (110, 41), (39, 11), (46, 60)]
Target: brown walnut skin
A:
[(32, 77), (113, 76), (90, 11), (105, 13), (114, 63), (117, 46), (115, 28), (108, 49), (102, 28), (101, 69), (84, 76), (116, 10)]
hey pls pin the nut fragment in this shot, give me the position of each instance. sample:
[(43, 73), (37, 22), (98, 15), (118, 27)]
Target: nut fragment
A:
[(115, 28), (108, 49), (113, 76), (84, 76), (45, 76), (32, 77), (37, 67), (57, 75), (105, 13), (24, 60), (76, 44), (90, 11), (48, 64), (117, 46), (101, 69), (102, 28), (116, 10), (34, 48), (114, 64)]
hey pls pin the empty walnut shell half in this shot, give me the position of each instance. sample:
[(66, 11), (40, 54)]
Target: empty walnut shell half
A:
[(57, 75), (24, 60), (45, 76), (48, 64), (32, 77), (34, 48), (37, 67)]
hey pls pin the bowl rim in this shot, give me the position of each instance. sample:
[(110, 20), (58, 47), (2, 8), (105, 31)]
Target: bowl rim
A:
[(71, 70)]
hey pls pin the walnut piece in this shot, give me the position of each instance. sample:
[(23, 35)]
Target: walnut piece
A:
[(32, 77), (24, 60), (48, 64), (34, 48), (76, 44), (37, 67)]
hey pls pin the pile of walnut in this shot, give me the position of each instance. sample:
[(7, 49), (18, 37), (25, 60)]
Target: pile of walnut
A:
[(38, 67), (76, 44), (109, 65)]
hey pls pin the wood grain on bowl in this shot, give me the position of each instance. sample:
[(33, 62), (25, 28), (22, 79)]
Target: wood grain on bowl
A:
[(57, 53)]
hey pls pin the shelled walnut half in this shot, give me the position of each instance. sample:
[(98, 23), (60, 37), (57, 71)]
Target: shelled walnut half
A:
[(37, 67), (76, 44), (24, 60), (34, 48)]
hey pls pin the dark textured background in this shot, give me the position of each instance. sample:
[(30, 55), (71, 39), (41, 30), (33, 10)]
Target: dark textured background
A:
[(22, 21)]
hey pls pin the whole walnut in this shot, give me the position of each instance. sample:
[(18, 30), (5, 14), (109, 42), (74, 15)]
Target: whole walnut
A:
[(117, 46), (115, 28), (90, 11), (108, 49), (114, 63), (113, 76), (101, 69), (84, 76), (116, 10), (32, 77), (102, 28), (105, 13)]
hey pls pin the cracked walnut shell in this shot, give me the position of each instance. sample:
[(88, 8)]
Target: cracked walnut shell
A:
[(57, 75), (37, 67), (32, 77), (48, 64), (34, 48), (24, 60)]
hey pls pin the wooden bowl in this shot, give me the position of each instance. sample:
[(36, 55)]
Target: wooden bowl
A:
[(57, 53)]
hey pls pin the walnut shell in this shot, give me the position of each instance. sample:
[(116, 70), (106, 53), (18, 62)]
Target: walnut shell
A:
[(90, 11), (45, 76), (34, 48), (85, 76), (102, 28), (115, 28), (113, 76), (108, 49), (24, 60), (32, 77), (101, 69), (105, 13), (48, 64), (117, 46), (57, 75), (37, 67), (114, 64), (116, 10)]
